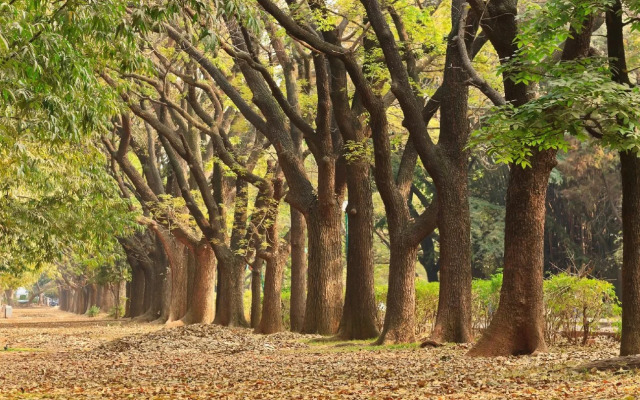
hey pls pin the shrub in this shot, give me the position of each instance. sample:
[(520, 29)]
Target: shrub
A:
[(573, 305), (485, 295), (286, 309), (93, 311), (118, 309)]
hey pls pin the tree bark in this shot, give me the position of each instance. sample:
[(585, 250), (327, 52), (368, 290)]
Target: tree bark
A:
[(400, 319), (231, 292), (136, 291), (256, 292), (324, 297), (453, 319), (630, 170), (298, 300), (202, 304), (518, 324), (360, 311)]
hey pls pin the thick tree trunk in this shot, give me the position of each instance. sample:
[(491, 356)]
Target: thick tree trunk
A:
[(359, 312), (630, 170), (231, 293), (518, 324), (137, 291), (453, 320), (256, 292), (324, 297), (298, 298), (400, 318), (202, 303)]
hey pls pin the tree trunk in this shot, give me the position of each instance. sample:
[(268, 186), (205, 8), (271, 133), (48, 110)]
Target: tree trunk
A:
[(298, 298), (518, 324), (400, 318), (137, 290), (630, 170), (271, 320), (8, 294), (360, 311), (231, 292), (256, 292), (202, 304), (324, 297), (453, 320), (92, 300)]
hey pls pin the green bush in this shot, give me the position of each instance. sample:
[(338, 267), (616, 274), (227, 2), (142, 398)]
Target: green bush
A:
[(286, 309), (573, 305), (485, 295), (93, 311), (112, 312)]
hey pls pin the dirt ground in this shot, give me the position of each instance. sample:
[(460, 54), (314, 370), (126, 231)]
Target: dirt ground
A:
[(56, 355)]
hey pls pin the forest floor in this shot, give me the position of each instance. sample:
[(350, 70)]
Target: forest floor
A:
[(58, 355)]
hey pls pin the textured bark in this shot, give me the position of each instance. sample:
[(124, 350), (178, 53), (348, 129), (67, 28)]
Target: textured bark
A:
[(453, 319), (518, 324), (136, 291), (230, 303), (298, 298), (630, 169), (360, 311), (324, 296), (202, 304), (256, 292), (400, 319)]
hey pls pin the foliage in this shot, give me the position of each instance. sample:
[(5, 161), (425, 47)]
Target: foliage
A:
[(574, 304), (485, 298), (93, 311)]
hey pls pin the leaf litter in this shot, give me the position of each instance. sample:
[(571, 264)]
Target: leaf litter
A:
[(146, 361)]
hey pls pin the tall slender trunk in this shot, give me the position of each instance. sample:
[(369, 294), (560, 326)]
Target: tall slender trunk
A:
[(324, 297), (453, 319), (256, 292), (518, 324), (202, 304), (630, 171), (359, 312), (298, 298)]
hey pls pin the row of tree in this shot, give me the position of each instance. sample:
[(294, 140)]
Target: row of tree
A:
[(216, 113)]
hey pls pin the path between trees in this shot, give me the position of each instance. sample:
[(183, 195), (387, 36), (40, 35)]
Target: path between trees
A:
[(58, 355)]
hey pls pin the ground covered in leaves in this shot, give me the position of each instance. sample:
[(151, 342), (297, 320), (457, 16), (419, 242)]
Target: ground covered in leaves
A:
[(57, 355)]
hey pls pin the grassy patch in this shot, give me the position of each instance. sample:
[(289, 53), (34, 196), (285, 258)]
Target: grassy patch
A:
[(19, 349)]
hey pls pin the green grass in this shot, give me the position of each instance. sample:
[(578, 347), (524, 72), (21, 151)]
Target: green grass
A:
[(329, 345), (24, 349)]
